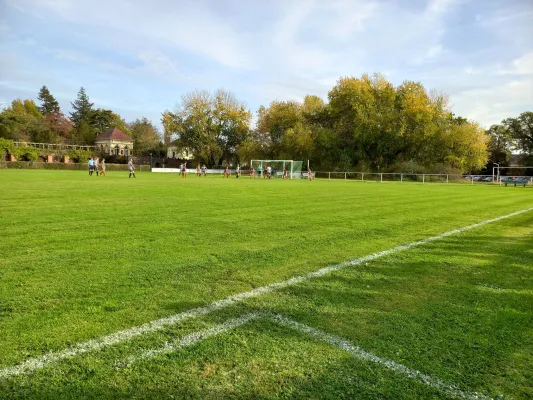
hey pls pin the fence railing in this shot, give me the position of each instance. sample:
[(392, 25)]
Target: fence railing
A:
[(56, 146), (409, 177), (399, 177)]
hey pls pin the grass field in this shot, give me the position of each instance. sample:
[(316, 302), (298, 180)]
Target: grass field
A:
[(84, 257)]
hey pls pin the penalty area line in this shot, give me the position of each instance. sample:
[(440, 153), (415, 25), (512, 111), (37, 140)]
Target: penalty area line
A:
[(36, 363), (332, 340)]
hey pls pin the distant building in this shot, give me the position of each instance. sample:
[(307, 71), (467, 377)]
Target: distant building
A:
[(178, 153), (115, 142)]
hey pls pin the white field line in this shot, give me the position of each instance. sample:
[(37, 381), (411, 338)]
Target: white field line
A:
[(191, 339), (357, 352), (35, 363), (332, 340)]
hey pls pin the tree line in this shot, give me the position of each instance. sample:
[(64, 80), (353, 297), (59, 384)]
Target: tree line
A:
[(366, 124), (512, 134), (24, 121)]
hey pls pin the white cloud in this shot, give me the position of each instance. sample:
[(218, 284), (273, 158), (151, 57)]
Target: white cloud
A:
[(434, 51), (503, 17), (188, 25), (524, 64), (16, 5), (157, 63), (491, 105), (70, 55), (349, 17), (278, 49), (441, 6), (28, 42)]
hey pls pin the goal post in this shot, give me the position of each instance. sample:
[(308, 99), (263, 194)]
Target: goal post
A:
[(294, 168)]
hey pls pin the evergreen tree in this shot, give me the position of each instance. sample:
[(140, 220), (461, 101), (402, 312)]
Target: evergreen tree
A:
[(83, 134), (82, 108), (49, 104)]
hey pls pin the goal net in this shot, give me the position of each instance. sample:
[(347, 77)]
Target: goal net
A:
[(294, 168)]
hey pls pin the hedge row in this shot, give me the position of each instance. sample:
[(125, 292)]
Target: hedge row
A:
[(63, 166)]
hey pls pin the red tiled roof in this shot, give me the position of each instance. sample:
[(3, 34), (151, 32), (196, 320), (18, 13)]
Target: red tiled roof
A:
[(114, 134)]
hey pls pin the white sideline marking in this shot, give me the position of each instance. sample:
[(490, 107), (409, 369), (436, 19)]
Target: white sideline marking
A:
[(332, 340), (35, 363), (336, 341), (192, 338)]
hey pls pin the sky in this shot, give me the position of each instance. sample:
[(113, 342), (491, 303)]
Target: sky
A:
[(137, 58)]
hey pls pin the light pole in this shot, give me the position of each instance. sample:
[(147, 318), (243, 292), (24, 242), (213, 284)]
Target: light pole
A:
[(498, 176), (151, 162)]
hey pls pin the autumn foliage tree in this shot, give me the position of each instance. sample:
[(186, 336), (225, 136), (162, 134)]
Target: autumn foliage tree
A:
[(369, 124), (211, 126)]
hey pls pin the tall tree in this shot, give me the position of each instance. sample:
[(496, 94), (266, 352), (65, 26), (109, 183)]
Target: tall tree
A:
[(60, 125), (500, 144), (168, 120), (210, 126), (24, 122), (101, 120), (83, 133), (49, 104), (275, 121), (521, 130), (463, 146), (82, 108), (145, 135), (366, 119), (418, 116)]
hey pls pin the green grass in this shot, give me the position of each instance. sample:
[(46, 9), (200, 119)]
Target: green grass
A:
[(83, 256)]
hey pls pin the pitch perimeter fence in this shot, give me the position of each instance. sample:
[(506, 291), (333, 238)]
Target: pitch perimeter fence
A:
[(408, 177), (368, 176)]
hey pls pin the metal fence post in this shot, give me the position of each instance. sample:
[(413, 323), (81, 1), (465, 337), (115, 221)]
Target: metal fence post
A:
[(381, 177), (472, 180), (329, 176), (446, 178), (423, 178), (401, 178), (362, 176), (345, 176)]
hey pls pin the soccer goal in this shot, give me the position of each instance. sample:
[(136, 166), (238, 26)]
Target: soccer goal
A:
[(293, 168)]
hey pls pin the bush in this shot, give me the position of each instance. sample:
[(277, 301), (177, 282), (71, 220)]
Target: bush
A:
[(445, 169), (80, 156), (409, 167), (24, 153), (113, 159)]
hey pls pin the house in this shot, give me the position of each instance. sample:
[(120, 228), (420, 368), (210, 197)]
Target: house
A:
[(178, 153), (115, 142)]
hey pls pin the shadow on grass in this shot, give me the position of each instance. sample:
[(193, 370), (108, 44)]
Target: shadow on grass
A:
[(423, 309), (461, 310)]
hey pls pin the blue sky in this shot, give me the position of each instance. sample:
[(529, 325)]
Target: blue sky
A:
[(138, 57)]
